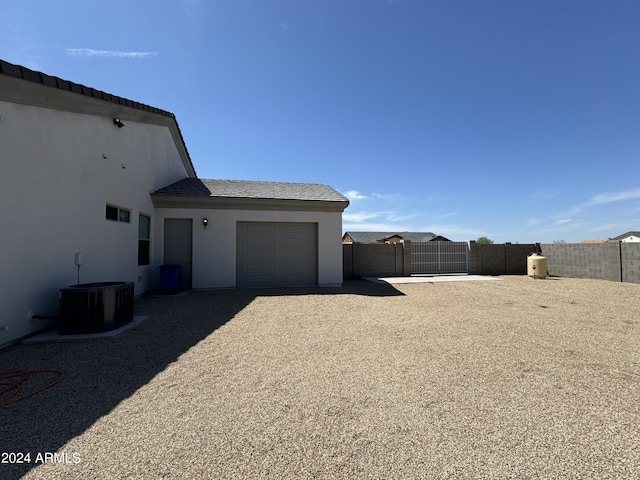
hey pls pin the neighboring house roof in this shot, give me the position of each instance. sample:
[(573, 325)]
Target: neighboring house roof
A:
[(374, 237), (249, 194), (625, 235), (115, 106)]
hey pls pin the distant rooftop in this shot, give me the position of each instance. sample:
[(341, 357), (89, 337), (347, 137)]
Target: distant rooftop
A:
[(625, 235), (376, 237)]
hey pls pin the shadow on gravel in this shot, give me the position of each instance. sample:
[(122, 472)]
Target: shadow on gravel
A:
[(99, 374)]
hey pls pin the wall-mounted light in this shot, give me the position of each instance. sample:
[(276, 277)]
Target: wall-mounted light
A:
[(205, 222), (118, 123)]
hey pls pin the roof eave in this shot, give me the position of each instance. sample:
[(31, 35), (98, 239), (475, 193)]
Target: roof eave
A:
[(23, 86), (233, 203)]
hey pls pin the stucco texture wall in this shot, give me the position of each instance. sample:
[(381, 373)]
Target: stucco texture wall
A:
[(214, 248), (60, 169)]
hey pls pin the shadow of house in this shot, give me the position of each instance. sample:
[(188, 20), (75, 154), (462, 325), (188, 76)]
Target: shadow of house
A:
[(100, 374)]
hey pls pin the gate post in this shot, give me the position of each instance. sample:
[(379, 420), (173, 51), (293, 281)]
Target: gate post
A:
[(406, 270), (473, 257)]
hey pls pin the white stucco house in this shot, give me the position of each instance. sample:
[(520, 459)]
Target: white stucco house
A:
[(628, 237), (94, 179)]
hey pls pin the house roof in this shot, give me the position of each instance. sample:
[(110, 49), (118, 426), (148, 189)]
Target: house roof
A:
[(625, 235), (116, 106), (373, 237), (245, 194)]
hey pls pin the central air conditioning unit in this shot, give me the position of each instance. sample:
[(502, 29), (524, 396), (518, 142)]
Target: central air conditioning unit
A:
[(95, 307)]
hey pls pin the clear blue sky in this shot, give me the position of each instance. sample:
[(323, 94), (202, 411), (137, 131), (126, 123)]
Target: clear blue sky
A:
[(516, 120)]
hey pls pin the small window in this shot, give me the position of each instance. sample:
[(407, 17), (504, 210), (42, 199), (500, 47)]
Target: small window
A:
[(112, 213), (118, 214), (144, 239)]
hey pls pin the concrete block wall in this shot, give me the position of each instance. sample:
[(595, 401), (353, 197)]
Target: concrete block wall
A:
[(516, 257), (630, 258), (613, 260), (587, 260), (500, 259), (486, 259), (376, 260)]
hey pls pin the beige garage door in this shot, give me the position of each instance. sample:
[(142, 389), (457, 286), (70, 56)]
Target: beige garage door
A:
[(276, 254)]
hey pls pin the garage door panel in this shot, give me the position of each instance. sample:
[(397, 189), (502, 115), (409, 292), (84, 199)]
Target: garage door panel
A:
[(295, 264), (258, 280), (261, 246), (264, 241), (294, 268), (296, 243), (276, 254), (257, 264), (293, 250), (256, 229), (261, 255), (296, 229)]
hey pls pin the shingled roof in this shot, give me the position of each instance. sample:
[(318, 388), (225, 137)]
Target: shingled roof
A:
[(213, 190), (625, 235), (23, 73), (252, 189)]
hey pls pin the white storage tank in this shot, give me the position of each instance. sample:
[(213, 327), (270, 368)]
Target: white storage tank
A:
[(537, 266)]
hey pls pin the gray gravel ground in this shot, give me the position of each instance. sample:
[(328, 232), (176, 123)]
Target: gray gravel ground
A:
[(517, 378)]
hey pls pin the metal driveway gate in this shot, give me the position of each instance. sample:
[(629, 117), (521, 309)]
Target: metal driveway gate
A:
[(439, 257)]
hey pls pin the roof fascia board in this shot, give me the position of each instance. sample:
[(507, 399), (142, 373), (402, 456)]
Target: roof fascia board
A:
[(230, 203)]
